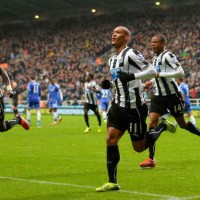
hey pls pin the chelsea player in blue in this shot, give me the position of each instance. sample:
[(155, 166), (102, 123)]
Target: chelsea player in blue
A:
[(105, 98), (54, 99), (186, 97), (33, 99)]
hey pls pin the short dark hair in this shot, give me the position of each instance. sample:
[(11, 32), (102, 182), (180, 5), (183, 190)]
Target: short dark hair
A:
[(161, 37), (181, 79), (32, 77), (90, 75)]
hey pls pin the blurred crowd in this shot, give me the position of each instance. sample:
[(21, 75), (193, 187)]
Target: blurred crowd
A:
[(68, 48)]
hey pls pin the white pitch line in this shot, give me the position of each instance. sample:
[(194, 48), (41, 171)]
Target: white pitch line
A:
[(56, 126), (167, 197), (189, 198), (44, 182)]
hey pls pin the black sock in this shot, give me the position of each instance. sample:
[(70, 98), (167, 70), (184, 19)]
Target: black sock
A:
[(98, 118), (193, 129), (152, 151), (153, 134), (113, 158), (15, 111), (86, 119), (8, 125)]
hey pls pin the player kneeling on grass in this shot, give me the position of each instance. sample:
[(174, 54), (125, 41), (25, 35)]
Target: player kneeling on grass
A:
[(6, 125)]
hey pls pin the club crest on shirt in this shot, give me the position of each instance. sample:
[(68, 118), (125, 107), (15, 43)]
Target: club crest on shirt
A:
[(114, 73)]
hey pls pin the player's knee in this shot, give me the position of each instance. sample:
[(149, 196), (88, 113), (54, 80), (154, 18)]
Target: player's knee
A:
[(110, 141), (139, 146), (139, 149), (153, 124), (3, 126), (97, 114), (183, 125)]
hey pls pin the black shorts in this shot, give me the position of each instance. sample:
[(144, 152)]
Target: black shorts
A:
[(164, 104), (132, 120), (92, 107)]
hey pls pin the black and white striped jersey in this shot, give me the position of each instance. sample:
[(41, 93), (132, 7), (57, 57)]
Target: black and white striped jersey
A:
[(169, 68), (91, 96), (130, 94)]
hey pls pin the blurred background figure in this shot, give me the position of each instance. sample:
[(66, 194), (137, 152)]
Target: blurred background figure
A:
[(184, 87), (54, 99), (33, 99), (15, 97), (105, 97), (91, 103)]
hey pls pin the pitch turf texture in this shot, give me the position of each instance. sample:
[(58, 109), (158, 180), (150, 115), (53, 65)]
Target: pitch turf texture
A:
[(62, 162)]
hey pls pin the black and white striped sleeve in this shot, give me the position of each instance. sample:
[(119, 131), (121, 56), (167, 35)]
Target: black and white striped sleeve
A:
[(172, 63), (146, 71)]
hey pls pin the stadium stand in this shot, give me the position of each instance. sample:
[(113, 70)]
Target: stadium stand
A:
[(68, 48)]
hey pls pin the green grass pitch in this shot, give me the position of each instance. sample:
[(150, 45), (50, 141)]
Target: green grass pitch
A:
[(62, 162)]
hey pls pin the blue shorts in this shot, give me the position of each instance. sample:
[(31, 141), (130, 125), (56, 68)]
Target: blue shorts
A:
[(187, 108), (34, 105), (53, 104), (104, 105)]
